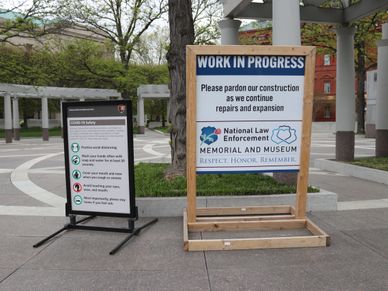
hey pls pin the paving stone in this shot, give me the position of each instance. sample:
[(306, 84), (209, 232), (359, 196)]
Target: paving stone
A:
[(355, 219), (349, 188), (86, 253), (34, 226), (16, 250), (55, 183), (374, 238), (4, 273), (11, 196), (42, 280), (342, 249), (92, 253), (263, 278), (361, 275)]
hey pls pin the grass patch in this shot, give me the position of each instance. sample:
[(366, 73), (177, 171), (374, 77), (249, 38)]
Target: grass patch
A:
[(165, 129), (150, 182), (35, 132), (372, 162)]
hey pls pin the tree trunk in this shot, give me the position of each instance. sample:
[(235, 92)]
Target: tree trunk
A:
[(361, 77), (181, 34)]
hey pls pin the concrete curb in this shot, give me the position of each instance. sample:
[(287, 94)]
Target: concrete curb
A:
[(173, 206), (352, 170)]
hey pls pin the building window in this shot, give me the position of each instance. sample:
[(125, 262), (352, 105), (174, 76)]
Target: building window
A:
[(326, 60), (327, 87), (327, 112)]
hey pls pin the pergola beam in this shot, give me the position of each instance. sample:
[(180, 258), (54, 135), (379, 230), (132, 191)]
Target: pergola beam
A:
[(363, 9), (313, 2), (232, 7), (28, 91), (310, 12), (307, 13)]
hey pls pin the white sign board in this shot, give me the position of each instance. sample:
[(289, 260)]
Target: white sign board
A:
[(98, 157), (249, 113)]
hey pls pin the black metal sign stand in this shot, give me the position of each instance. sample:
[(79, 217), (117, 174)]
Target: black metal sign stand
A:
[(102, 113), (74, 224)]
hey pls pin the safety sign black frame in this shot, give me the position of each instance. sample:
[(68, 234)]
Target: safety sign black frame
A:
[(130, 158)]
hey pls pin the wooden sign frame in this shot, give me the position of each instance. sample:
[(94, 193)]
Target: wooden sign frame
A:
[(281, 217)]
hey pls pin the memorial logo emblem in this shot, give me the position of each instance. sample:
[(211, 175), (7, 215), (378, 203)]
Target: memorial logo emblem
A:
[(283, 134), (209, 135)]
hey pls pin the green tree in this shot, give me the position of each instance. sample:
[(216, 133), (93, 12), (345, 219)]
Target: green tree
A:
[(206, 14), (27, 20), (122, 22)]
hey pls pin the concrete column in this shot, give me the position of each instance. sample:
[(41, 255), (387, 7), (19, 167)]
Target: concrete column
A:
[(285, 22), (229, 31), (382, 95), (345, 94), (7, 119), (140, 114), (286, 31), (16, 118), (45, 119)]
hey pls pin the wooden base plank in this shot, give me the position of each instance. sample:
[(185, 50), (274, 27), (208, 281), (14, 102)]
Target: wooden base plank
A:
[(248, 210), (257, 243), (233, 219), (185, 231), (316, 230), (246, 217), (248, 225)]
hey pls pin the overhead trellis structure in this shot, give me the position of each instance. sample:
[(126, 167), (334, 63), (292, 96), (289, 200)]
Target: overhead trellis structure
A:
[(323, 11), (15, 91), (28, 91), (286, 16)]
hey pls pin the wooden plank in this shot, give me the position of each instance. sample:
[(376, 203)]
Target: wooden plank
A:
[(191, 108), (316, 230), (245, 218), (246, 210), (185, 231), (257, 243), (301, 195), (247, 225), (251, 50)]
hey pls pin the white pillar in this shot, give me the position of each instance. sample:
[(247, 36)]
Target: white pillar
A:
[(229, 31), (82, 99), (382, 95), (285, 22), (7, 118), (61, 117), (285, 31), (16, 118), (345, 94), (140, 114), (45, 119)]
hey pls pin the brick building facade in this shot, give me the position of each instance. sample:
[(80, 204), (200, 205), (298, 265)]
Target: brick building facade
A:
[(325, 74)]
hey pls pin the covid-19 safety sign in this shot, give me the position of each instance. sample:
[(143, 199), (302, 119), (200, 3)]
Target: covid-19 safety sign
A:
[(99, 158)]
